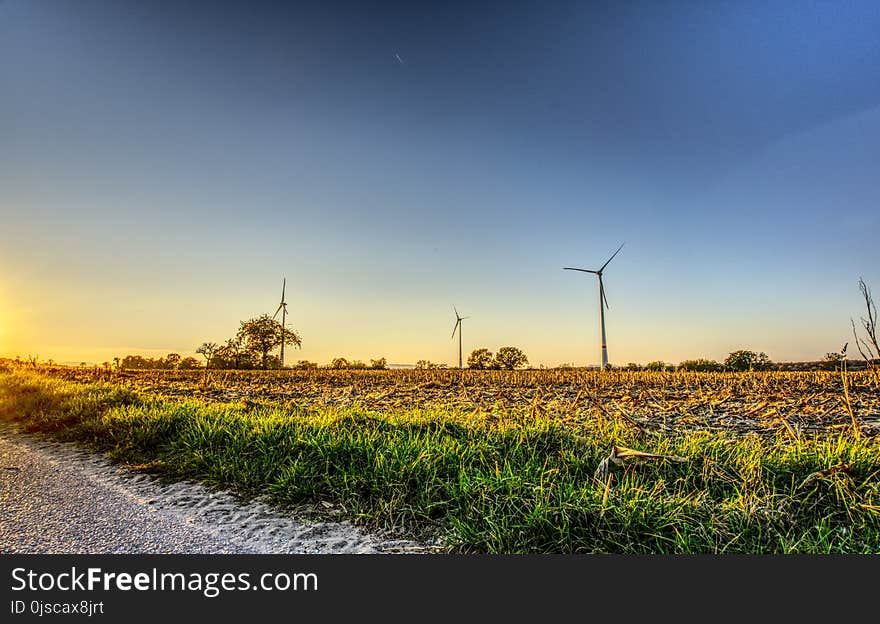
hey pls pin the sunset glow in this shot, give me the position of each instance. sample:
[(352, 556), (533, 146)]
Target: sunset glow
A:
[(160, 177)]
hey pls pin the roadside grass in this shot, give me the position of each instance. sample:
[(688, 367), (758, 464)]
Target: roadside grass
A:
[(508, 482)]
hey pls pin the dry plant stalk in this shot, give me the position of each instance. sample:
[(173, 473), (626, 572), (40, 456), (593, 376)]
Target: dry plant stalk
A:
[(857, 430), (622, 457), (824, 474)]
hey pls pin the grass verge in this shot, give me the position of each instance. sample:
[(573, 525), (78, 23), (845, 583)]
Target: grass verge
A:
[(503, 483)]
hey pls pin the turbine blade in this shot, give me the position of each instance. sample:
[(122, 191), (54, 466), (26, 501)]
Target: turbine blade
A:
[(582, 270), (283, 287), (611, 258), (457, 323), (456, 311), (604, 298), (280, 305)]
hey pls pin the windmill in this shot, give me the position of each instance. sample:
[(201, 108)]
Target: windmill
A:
[(282, 307), (458, 320), (603, 302)]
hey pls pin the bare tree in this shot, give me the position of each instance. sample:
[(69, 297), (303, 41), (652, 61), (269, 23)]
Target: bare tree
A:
[(207, 349), (868, 345)]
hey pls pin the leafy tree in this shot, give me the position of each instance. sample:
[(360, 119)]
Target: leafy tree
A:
[(633, 366), (233, 355), (339, 363), (305, 364), (510, 358), (656, 365), (172, 360), (744, 360), (701, 364), (428, 365), (380, 364), (480, 359), (263, 334), (189, 363), (207, 349)]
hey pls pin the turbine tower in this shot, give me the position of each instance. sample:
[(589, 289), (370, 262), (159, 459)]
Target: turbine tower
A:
[(282, 307), (603, 302), (458, 320)]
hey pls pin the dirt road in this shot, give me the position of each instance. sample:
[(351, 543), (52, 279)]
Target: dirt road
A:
[(55, 498)]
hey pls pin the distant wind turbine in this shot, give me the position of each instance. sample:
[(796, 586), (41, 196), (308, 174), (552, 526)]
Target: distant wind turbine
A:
[(458, 324), (603, 302), (282, 307)]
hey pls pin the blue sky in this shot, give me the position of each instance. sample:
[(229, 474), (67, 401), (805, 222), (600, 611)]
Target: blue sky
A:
[(163, 167)]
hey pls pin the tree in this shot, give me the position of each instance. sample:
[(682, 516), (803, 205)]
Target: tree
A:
[(744, 360), (305, 364), (233, 355), (701, 364), (207, 349), (339, 363), (510, 358), (263, 334), (380, 364), (656, 365), (830, 362), (172, 360), (480, 359), (190, 363)]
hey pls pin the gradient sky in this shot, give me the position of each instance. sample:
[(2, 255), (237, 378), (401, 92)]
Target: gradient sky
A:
[(163, 165)]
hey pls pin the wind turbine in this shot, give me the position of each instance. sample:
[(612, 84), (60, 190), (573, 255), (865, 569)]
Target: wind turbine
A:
[(458, 320), (282, 307), (603, 302)]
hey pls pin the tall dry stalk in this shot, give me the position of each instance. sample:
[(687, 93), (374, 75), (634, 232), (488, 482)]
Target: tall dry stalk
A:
[(868, 345)]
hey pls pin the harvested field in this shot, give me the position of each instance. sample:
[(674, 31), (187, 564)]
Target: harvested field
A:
[(518, 462), (767, 403)]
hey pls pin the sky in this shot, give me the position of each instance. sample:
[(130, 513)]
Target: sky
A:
[(164, 165)]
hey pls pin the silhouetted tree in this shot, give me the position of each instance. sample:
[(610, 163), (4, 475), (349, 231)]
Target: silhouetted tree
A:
[(510, 358), (480, 359), (656, 365), (744, 360), (263, 334), (339, 363), (232, 354), (701, 364), (172, 360), (428, 365), (207, 349), (379, 364)]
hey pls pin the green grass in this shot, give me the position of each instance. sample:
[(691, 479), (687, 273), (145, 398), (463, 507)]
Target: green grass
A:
[(512, 485)]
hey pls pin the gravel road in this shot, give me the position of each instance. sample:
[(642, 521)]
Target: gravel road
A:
[(55, 498)]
